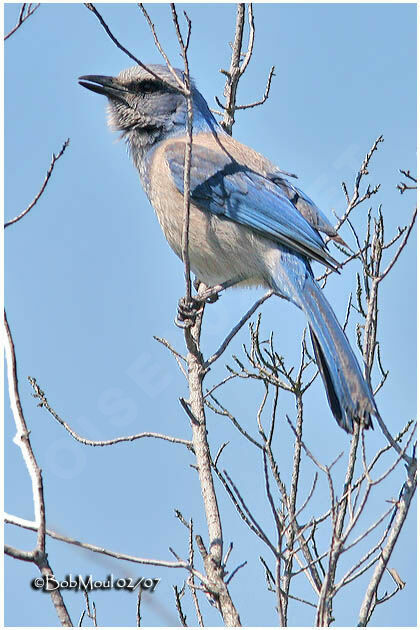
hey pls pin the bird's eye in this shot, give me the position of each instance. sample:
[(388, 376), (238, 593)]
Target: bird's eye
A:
[(143, 87), (150, 86)]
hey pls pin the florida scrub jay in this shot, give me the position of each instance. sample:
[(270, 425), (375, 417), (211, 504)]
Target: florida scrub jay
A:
[(248, 222)]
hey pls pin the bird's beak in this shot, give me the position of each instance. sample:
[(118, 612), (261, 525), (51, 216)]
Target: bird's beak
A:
[(108, 86)]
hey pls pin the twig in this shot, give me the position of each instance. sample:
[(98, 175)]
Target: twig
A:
[(401, 247), (402, 186), (357, 198), (250, 517), (40, 395), (55, 158), (265, 96), (235, 571), (236, 329), (26, 11), (95, 11), (222, 411), (181, 85), (216, 459), (91, 613), (188, 150), (402, 511), (22, 440), (178, 595), (225, 380), (237, 69), (177, 356), (180, 564), (138, 608), (190, 580)]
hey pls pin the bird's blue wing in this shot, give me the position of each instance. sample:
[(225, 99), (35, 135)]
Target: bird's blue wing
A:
[(305, 205), (224, 187)]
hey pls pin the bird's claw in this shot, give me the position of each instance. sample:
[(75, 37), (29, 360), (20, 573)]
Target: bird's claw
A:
[(212, 298), (187, 312)]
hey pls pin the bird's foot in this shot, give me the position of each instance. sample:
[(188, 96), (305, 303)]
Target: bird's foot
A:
[(212, 298), (187, 312), (206, 294)]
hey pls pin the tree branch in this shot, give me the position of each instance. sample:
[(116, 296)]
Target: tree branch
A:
[(40, 395), (55, 158), (38, 556), (26, 11)]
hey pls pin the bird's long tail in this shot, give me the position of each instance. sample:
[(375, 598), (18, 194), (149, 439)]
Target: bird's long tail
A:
[(349, 395)]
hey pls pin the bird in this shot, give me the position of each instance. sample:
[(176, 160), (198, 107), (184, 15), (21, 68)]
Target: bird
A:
[(249, 224)]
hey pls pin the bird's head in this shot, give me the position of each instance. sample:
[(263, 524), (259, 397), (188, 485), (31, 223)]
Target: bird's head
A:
[(147, 106)]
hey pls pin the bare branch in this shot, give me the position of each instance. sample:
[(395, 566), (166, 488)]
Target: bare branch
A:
[(402, 511), (235, 571), (265, 96), (401, 247), (237, 328), (349, 258), (188, 150), (248, 54), (94, 10), (216, 459), (357, 198), (184, 87), (225, 380), (269, 496), (25, 12), (40, 395), (237, 69), (22, 440), (55, 158), (138, 608), (398, 581), (222, 411), (190, 580), (180, 83), (402, 186), (177, 356), (19, 554), (245, 512), (91, 613), (182, 617), (195, 410), (181, 564)]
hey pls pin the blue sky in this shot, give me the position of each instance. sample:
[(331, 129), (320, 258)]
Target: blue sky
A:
[(90, 280)]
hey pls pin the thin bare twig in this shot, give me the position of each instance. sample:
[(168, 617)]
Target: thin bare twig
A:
[(95, 11), (265, 96), (182, 616), (188, 150), (180, 564), (138, 608), (238, 68), (181, 85), (190, 580), (91, 613), (357, 197), (402, 186), (40, 395), (237, 328), (26, 11), (235, 571), (177, 356), (54, 159), (245, 512), (401, 247), (222, 411)]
